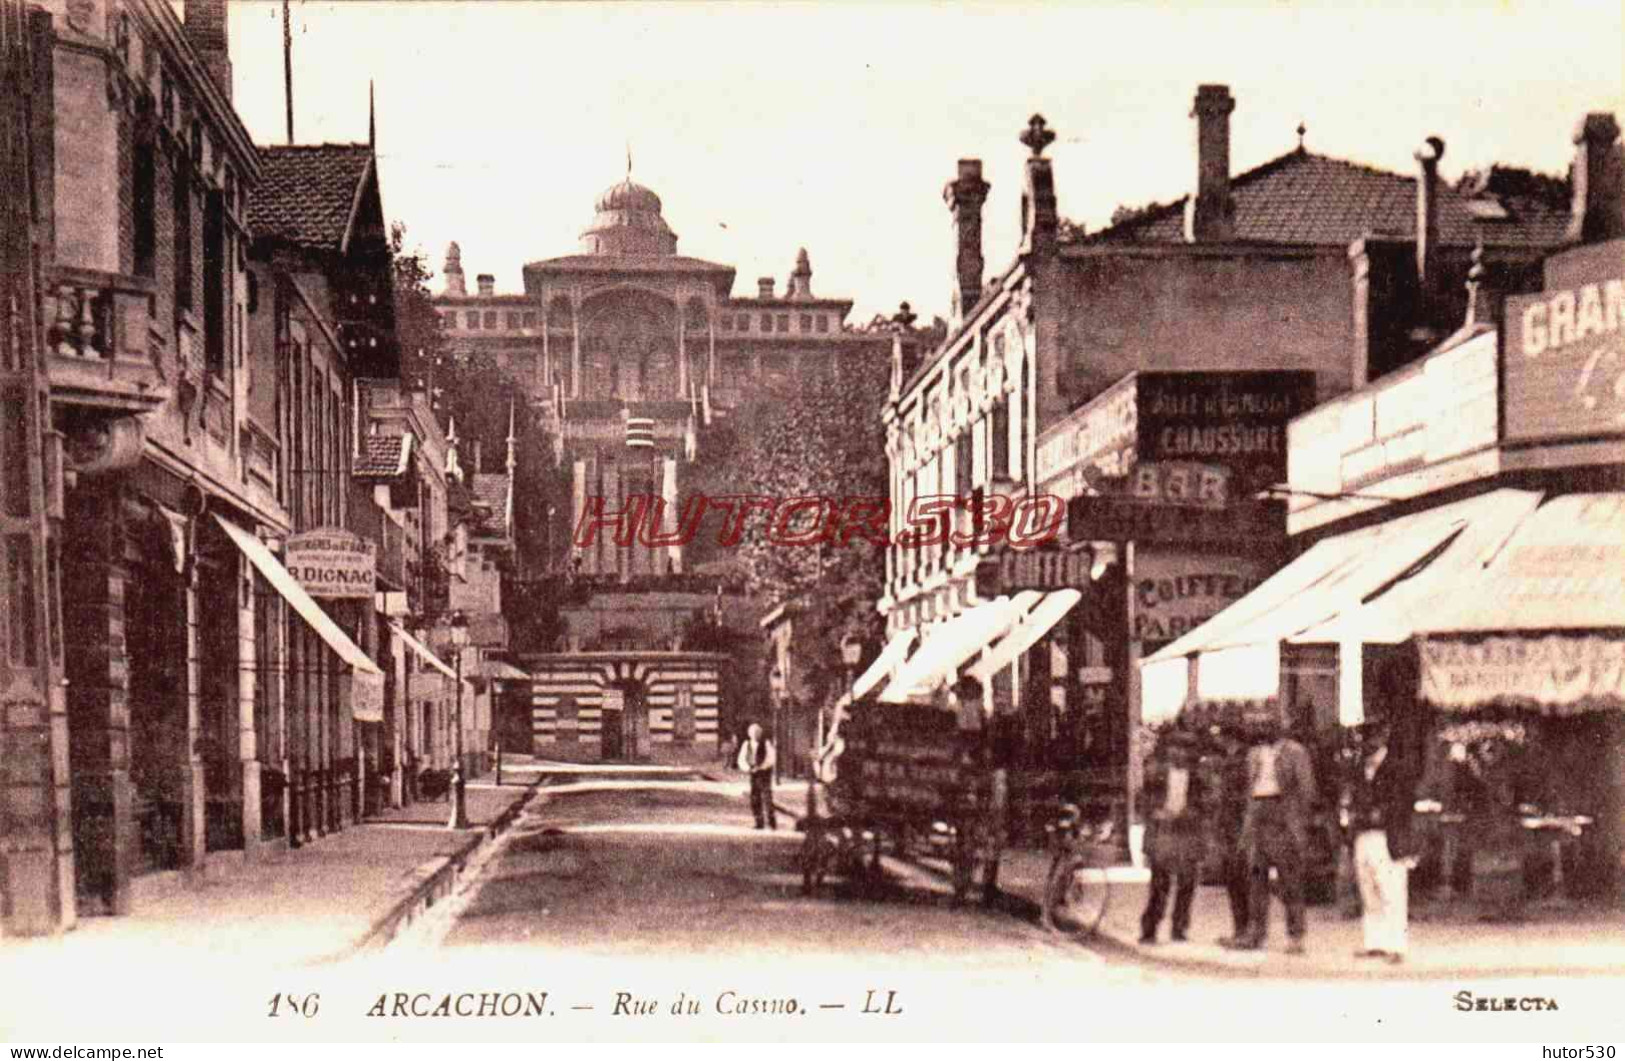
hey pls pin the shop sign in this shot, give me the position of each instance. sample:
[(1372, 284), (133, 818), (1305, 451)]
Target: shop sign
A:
[(1095, 442), (1047, 569), (1235, 420), (366, 694), (1572, 672), (1565, 358), (331, 562), (1110, 518), (1181, 483), (1175, 592)]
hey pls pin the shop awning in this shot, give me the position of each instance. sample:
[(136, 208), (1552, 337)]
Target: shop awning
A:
[(891, 657), (1027, 633), (1563, 569), (365, 683), (1544, 625), (423, 652), (947, 647), (1413, 604), (1332, 583)]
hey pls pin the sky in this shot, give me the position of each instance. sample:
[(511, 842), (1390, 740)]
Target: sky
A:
[(834, 126)]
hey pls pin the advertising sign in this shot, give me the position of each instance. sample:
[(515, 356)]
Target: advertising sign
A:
[(365, 691), (910, 760), (1012, 572), (1235, 420), (1093, 443), (1564, 359), (1175, 592), (1125, 519), (1554, 671), (331, 562)]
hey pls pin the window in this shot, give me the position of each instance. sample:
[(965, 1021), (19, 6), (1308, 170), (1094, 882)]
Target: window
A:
[(823, 323), (513, 321), (490, 318), (472, 320), (214, 283), (806, 322), (530, 318), (744, 322), (1001, 440), (144, 194), (767, 324), (727, 323), (183, 237), (784, 322)]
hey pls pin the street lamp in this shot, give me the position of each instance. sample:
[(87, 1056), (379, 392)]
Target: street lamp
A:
[(457, 625), (851, 656), (777, 685)]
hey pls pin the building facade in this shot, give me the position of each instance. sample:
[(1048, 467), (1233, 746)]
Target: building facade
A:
[(1218, 317)]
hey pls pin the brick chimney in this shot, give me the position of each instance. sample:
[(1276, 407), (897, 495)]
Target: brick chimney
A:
[(487, 282), (800, 286), (965, 195), (1427, 216), (1040, 214), (764, 288), (205, 28), (1599, 180), (1210, 213)]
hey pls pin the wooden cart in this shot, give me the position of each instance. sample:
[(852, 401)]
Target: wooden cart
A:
[(909, 780)]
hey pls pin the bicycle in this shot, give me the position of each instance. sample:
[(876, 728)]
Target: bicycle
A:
[(1077, 892)]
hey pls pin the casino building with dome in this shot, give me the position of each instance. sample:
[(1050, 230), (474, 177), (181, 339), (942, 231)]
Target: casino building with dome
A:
[(632, 357)]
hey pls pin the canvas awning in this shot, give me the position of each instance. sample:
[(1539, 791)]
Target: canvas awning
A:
[(423, 652), (1027, 633), (1543, 626), (947, 647), (364, 685), (1330, 595), (891, 657)]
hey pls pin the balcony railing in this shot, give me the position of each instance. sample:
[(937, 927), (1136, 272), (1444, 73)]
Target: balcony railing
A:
[(101, 341)]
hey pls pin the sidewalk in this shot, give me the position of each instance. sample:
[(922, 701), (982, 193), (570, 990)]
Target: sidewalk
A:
[(322, 902), (1446, 942)]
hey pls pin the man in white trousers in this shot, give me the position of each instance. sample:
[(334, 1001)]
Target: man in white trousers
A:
[(1380, 805)]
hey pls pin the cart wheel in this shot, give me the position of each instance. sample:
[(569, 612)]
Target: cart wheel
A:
[(1077, 895)]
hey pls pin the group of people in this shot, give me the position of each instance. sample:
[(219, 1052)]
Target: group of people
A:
[(1254, 794)]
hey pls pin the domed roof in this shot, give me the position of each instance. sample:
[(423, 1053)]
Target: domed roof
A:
[(629, 222)]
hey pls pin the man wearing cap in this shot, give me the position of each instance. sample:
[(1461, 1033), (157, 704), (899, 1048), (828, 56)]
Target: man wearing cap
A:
[(1275, 831), (1174, 838)]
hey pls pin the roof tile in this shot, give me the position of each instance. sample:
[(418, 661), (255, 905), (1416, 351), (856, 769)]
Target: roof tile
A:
[(306, 192)]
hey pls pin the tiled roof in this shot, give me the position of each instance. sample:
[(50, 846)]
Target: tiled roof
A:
[(490, 491), (307, 192), (1303, 198), (381, 455)]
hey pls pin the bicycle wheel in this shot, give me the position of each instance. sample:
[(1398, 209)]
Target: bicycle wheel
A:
[(1077, 895)]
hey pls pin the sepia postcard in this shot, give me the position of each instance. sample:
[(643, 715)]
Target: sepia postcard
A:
[(825, 522)]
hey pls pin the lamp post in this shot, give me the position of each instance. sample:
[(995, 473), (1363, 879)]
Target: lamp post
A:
[(777, 684), (851, 656), (457, 624)]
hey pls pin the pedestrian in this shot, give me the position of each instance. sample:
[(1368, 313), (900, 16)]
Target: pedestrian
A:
[(1230, 813), (1380, 806), (756, 757), (1275, 831), (1174, 840)]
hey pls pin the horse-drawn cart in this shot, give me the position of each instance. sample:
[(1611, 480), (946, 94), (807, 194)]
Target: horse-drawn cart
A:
[(904, 778)]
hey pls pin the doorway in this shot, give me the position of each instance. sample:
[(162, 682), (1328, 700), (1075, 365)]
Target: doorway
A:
[(611, 726)]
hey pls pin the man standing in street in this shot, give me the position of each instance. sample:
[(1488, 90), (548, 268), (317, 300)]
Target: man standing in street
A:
[(1231, 813), (756, 757), (1380, 805), (1275, 831), (1173, 840)]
